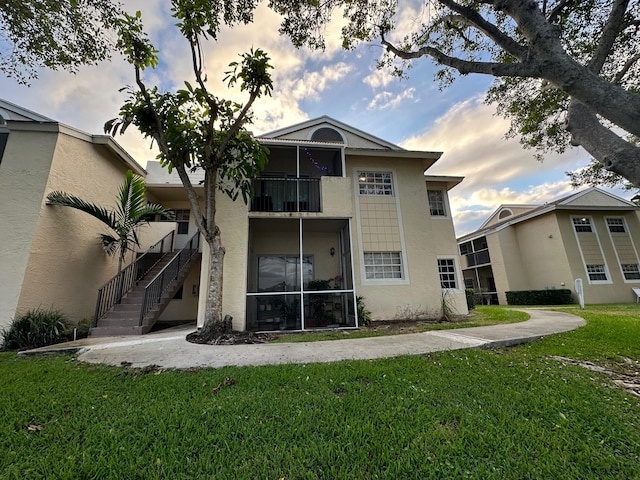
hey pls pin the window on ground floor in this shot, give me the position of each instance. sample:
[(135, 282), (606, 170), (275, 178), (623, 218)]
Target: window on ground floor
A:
[(447, 271), (596, 272), (630, 271), (381, 265), (616, 225)]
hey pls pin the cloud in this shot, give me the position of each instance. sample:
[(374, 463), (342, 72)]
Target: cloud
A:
[(470, 211), (496, 170), (379, 78), (386, 100)]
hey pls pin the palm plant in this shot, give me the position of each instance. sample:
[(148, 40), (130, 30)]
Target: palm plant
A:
[(132, 210)]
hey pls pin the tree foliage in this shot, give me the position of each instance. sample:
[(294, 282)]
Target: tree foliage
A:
[(194, 128), (566, 72), (56, 34), (131, 211)]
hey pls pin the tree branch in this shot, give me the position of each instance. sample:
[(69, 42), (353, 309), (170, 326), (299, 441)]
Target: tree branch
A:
[(557, 10), (464, 66), (504, 41), (623, 71), (615, 23)]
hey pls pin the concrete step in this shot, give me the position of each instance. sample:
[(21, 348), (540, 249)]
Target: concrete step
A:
[(115, 331)]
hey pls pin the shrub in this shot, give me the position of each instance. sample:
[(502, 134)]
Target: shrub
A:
[(471, 298), (561, 296), (36, 328), (364, 315)]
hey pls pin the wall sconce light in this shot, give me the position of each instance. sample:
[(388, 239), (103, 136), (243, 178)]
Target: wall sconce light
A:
[(332, 251)]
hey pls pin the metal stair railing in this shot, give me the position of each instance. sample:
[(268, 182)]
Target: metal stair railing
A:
[(112, 292), (157, 287)]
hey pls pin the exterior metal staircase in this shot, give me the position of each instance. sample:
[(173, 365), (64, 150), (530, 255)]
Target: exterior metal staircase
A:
[(132, 302)]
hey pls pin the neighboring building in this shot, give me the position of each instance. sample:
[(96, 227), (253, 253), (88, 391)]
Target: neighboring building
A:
[(337, 213), (592, 235), (50, 257)]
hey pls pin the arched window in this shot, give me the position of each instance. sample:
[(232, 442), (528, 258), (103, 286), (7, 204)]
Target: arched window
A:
[(505, 213), (326, 134)]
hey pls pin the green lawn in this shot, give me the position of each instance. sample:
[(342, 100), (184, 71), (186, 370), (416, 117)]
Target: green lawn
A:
[(480, 317), (505, 414)]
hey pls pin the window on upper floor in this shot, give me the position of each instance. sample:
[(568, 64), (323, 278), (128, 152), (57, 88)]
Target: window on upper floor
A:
[(597, 273), (382, 265), (582, 225), (436, 203), (616, 225), (182, 219), (327, 134), (375, 183), (447, 272)]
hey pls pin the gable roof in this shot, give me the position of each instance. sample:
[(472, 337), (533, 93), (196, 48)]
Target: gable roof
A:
[(11, 111), (592, 198), (302, 131), (24, 119)]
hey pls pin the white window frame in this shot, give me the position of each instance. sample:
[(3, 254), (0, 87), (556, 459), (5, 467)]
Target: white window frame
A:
[(597, 269), (582, 222), (616, 222), (455, 272), (588, 220), (370, 186), (388, 264), (636, 271), (615, 250), (443, 200)]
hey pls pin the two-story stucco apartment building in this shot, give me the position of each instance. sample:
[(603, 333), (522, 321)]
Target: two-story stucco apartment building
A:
[(337, 213), (592, 235)]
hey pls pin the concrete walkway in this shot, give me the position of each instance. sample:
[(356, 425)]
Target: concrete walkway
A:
[(169, 349)]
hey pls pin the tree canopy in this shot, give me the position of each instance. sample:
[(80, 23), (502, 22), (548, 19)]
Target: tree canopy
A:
[(566, 71), (56, 34), (195, 128)]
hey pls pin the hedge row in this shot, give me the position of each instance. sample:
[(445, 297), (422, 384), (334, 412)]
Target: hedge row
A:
[(560, 296)]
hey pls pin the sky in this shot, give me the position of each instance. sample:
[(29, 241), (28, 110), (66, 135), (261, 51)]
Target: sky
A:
[(345, 85)]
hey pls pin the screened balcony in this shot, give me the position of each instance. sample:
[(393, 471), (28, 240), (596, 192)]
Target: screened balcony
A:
[(291, 180)]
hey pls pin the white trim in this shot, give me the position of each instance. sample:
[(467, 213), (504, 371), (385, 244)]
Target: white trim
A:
[(445, 202), (403, 252), (326, 120), (615, 250), (457, 272), (318, 127), (609, 280)]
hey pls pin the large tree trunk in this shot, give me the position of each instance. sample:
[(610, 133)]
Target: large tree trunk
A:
[(214, 326), (615, 153)]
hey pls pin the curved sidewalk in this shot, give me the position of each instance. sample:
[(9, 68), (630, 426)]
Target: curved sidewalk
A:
[(169, 349)]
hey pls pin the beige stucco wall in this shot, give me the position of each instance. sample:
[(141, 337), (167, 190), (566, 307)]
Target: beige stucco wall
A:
[(618, 290), (424, 239), (336, 194), (543, 254), (67, 265), (233, 221), (23, 178), (185, 308)]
